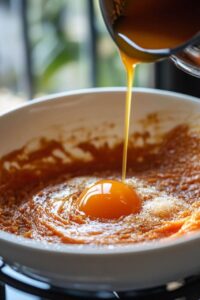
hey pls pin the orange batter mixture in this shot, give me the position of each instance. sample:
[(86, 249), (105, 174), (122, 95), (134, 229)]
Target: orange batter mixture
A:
[(40, 196)]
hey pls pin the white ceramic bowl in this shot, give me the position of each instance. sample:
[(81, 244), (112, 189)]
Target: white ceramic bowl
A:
[(88, 267)]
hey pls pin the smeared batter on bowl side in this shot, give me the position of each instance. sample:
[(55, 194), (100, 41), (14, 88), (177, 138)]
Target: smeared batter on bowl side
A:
[(39, 191)]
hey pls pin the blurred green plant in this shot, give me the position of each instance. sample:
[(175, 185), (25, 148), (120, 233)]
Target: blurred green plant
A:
[(52, 48), (59, 36)]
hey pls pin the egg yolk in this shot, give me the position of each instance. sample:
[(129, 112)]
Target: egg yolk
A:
[(109, 199)]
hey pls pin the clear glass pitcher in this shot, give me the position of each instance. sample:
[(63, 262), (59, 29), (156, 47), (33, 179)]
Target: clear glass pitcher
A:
[(188, 59), (186, 56)]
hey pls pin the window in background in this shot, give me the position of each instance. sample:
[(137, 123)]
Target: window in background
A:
[(12, 68), (59, 39), (59, 45)]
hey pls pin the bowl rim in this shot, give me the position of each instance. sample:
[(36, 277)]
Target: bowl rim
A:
[(123, 89), (75, 249)]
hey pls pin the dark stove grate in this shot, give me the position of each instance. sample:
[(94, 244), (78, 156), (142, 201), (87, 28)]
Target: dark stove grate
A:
[(2, 291), (188, 289)]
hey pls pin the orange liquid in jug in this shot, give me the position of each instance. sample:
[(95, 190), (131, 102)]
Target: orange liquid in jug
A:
[(153, 24)]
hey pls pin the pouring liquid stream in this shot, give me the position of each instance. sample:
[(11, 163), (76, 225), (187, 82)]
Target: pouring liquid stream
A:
[(130, 66)]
